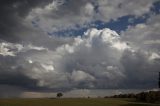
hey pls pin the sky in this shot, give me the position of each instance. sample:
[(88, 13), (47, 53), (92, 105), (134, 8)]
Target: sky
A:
[(78, 47)]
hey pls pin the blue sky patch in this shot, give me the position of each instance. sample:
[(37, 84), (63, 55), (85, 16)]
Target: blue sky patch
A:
[(156, 7), (118, 25), (121, 24)]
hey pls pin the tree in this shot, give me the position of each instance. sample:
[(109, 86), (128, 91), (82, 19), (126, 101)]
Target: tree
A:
[(59, 95)]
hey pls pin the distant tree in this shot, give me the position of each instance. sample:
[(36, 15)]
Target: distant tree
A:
[(59, 95)]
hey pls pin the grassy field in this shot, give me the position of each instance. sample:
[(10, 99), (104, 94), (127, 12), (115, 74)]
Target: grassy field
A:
[(72, 102)]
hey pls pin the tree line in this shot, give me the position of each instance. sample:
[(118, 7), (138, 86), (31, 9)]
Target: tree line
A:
[(150, 97)]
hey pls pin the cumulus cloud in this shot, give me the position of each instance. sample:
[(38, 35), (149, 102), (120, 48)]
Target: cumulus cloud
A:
[(117, 8), (30, 59), (92, 61), (80, 76), (74, 14), (5, 51), (76, 65), (25, 20), (10, 49), (144, 36)]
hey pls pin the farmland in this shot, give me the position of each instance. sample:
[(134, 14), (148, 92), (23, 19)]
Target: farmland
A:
[(73, 102)]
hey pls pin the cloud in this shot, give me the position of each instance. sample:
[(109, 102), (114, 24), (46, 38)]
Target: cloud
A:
[(154, 56), (118, 8), (5, 51), (78, 14), (11, 49), (144, 36), (80, 77), (99, 59), (25, 20), (12, 17), (92, 61)]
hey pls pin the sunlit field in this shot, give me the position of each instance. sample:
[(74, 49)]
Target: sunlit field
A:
[(73, 102)]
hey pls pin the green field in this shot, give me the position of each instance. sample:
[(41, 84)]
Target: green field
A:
[(73, 102)]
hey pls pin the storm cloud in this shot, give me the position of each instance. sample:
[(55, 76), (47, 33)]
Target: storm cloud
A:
[(32, 59)]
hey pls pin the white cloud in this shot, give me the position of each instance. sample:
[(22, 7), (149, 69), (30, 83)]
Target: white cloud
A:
[(121, 46), (4, 51), (54, 5), (88, 9), (30, 61), (154, 56), (63, 15), (79, 76), (80, 62), (106, 36), (99, 59), (47, 67), (144, 36), (29, 47), (117, 8), (11, 49), (150, 42)]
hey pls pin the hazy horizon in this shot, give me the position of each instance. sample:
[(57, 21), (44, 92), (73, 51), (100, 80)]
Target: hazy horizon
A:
[(77, 93)]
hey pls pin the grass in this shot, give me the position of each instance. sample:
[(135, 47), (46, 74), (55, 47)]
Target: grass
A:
[(73, 102)]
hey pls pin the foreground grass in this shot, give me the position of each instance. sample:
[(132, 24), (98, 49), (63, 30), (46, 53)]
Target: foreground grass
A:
[(72, 102)]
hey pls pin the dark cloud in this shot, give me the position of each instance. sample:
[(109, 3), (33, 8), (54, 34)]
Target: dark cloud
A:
[(64, 14), (13, 75), (99, 60), (31, 60), (12, 17), (139, 70)]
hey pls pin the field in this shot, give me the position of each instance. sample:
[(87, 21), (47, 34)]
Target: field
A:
[(72, 102)]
